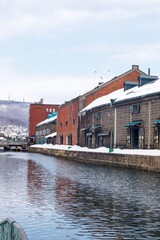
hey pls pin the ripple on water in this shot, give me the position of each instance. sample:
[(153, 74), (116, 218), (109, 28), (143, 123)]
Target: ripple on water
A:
[(58, 199)]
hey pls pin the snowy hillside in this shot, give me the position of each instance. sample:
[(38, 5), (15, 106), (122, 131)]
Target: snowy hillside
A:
[(14, 113)]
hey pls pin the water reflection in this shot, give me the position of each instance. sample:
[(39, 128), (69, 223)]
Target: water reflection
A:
[(101, 214), (60, 199)]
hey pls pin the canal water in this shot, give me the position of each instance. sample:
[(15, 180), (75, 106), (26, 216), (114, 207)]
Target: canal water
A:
[(55, 199)]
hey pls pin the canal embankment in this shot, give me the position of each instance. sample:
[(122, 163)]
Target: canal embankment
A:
[(138, 161)]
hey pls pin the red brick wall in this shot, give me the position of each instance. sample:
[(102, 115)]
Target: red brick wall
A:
[(112, 86), (38, 113), (68, 121)]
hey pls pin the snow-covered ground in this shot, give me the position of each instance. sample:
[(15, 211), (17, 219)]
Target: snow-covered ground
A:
[(14, 131), (153, 152)]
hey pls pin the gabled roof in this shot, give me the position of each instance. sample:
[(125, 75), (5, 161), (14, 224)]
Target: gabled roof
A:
[(134, 68), (121, 95)]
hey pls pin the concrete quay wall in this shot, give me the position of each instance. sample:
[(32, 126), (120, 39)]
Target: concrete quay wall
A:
[(140, 162)]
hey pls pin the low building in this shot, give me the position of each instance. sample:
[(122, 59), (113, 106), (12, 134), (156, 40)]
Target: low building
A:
[(38, 112), (46, 130), (126, 118)]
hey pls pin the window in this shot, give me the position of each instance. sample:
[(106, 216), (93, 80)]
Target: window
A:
[(134, 108), (66, 123), (98, 115), (74, 121), (37, 133), (61, 139), (60, 124), (46, 109)]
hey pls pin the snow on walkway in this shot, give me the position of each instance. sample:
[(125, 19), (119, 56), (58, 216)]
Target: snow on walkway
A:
[(153, 152)]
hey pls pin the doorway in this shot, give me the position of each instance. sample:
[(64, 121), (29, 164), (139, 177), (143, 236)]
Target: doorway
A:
[(135, 137)]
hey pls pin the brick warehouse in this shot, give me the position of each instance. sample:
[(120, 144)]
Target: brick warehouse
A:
[(125, 119), (67, 127), (37, 113)]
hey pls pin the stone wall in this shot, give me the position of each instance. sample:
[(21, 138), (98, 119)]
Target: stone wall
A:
[(124, 116), (140, 162)]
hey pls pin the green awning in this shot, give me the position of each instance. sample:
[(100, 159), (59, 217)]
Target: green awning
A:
[(131, 124), (97, 126), (156, 121)]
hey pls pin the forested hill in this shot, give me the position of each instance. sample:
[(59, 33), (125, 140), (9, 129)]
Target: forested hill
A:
[(14, 113)]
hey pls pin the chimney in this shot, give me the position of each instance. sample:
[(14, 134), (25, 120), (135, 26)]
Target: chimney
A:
[(135, 67), (41, 101), (149, 71)]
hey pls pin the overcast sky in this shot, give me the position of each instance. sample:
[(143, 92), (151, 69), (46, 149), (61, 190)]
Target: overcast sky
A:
[(59, 49)]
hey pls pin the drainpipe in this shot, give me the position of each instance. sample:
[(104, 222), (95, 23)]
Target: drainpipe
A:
[(93, 134), (115, 127), (149, 124)]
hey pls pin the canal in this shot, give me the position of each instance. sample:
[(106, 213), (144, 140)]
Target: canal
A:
[(59, 199)]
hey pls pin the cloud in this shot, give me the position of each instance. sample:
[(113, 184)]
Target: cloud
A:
[(142, 54), (53, 88), (51, 47), (31, 17)]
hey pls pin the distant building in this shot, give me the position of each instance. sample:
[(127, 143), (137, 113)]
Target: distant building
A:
[(67, 126), (38, 112), (46, 130)]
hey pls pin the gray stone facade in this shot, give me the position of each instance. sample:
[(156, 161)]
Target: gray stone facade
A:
[(131, 123)]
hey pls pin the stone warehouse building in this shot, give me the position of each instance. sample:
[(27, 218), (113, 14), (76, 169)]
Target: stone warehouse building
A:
[(126, 118)]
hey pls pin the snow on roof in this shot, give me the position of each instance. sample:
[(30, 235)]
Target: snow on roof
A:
[(48, 120), (146, 89), (51, 135), (121, 95), (103, 100)]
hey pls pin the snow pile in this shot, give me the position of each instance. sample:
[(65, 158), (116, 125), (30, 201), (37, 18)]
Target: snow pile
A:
[(152, 152)]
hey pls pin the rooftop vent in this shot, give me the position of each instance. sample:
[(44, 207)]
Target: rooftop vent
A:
[(128, 84), (146, 79), (100, 83)]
